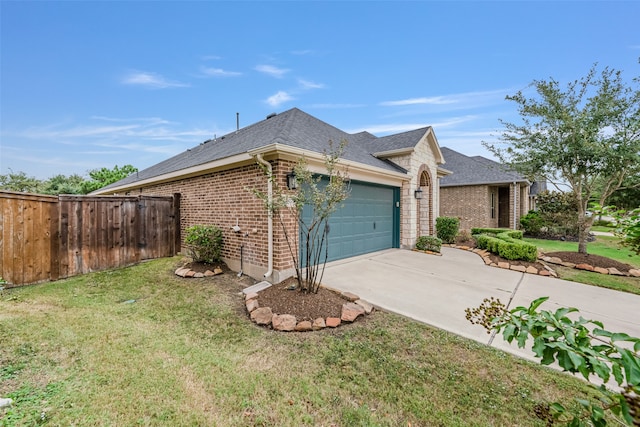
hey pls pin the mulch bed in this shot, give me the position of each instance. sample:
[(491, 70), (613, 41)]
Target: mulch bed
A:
[(593, 260), (304, 306)]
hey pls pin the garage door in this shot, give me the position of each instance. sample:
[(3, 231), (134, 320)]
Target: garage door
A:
[(368, 221)]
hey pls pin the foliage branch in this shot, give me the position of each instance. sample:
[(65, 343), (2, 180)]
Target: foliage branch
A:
[(321, 195), (204, 243), (578, 346)]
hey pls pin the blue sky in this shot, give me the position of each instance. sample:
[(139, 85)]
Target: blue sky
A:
[(86, 85)]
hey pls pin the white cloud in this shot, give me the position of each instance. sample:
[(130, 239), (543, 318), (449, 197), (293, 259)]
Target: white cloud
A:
[(272, 71), (218, 72), (389, 128), (306, 84), (279, 98), (337, 106), (436, 100), (151, 80)]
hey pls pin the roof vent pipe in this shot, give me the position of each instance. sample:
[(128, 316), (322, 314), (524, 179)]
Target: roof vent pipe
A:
[(266, 164), (237, 121), (271, 115)]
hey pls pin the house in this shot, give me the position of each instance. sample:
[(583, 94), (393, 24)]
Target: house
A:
[(482, 192), (393, 199)]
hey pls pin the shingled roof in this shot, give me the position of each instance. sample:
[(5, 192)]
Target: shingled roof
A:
[(475, 170), (293, 128)]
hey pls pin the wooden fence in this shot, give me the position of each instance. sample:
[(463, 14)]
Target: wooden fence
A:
[(52, 237)]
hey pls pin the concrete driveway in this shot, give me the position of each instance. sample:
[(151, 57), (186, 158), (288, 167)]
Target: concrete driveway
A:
[(437, 289)]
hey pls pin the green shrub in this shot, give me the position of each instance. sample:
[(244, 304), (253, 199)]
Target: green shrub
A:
[(507, 246), (204, 243), (514, 234), (532, 223), (428, 243), (447, 228)]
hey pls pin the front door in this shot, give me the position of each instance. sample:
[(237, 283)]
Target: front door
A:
[(503, 207)]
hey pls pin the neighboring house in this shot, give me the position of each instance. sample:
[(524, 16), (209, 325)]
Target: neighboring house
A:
[(383, 210), (482, 193)]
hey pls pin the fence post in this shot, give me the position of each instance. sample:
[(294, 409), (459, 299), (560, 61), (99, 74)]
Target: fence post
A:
[(177, 242)]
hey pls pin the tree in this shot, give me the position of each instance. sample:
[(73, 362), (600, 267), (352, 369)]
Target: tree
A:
[(320, 196), (577, 346), (20, 182), (102, 177), (61, 184), (587, 137)]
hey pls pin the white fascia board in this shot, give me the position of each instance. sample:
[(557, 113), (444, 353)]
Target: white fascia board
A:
[(394, 153), (355, 170), (182, 173), (443, 172)]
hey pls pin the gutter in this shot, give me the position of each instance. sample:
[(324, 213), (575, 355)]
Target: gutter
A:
[(516, 190), (266, 164)]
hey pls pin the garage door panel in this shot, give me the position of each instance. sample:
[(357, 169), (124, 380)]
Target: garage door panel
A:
[(365, 222)]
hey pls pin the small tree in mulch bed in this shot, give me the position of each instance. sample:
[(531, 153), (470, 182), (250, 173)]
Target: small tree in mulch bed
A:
[(321, 195)]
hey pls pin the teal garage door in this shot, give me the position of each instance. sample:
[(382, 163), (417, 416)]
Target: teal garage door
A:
[(368, 221)]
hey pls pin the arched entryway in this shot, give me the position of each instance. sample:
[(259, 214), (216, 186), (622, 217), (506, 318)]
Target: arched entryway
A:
[(425, 204)]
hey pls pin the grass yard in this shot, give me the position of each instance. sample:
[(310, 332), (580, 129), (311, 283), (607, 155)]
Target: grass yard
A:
[(606, 246), (140, 346)]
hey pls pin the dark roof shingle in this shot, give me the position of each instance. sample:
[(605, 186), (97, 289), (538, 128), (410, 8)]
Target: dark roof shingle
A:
[(475, 170)]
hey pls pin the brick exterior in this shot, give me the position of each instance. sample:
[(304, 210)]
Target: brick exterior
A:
[(472, 204), (225, 199)]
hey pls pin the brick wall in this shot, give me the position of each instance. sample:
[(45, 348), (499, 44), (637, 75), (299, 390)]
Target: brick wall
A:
[(470, 203), (225, 199)]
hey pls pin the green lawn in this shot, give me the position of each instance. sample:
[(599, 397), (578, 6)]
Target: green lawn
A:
[(139, 346), (606, 246)]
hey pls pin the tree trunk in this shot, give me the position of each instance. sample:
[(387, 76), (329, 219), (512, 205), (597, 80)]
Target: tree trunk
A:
[(584, 225)]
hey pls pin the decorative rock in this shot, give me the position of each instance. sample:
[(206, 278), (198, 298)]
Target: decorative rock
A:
[(568, 264), (182, 272), (493, 264), (318, 324), (350, 296), (586, 267), (303, 326), (532, 270), (6, 403), (190, 273), (555, 260), (615, 272), (198, 275), (601, 270), (487, 260), (368, 308), (546, 258), (504, 265), (333, 322), (283, 322), (544, 273), (252, 305), (217, 271), (209, 273), (553, 273), (252, 295), (350, 311), (520, 268), (262, 316), (634, 272)]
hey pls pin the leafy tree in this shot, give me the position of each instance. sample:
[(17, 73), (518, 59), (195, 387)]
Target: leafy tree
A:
[(102, 177), (20, 182), (578, 346), (61, 184), (628, 195), (587, 136), (322, 195)]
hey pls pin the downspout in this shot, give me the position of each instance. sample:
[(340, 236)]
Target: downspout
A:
[(515, 205), (267, 165)]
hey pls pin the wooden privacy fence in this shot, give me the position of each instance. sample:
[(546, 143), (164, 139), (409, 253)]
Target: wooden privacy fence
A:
[(52, 237)]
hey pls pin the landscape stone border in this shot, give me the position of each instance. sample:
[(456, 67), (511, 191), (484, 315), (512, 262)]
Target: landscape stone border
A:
[(187, 273), (634, 272), (484, 254), (264, 316)]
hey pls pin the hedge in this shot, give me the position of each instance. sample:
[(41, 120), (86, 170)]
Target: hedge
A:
[(514, 234), (506, 243)]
